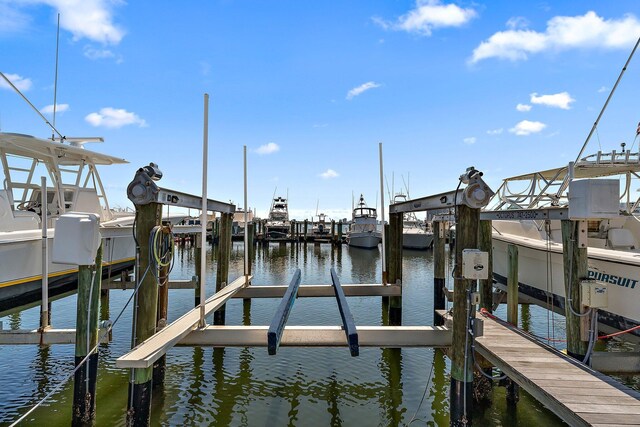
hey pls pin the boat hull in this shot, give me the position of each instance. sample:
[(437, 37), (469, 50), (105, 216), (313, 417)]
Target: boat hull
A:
[(21, 273), (364, 240), (541, 276), (420, 241)]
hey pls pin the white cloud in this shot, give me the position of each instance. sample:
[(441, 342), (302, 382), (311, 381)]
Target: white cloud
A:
[(60, 108), (22, 83), (527, 127), (495, 131), (360, 89), (429, 15), (517, 22), (558, 100), (470, 140), (85, 19), (328, 174), (114, 118), (562, 33), (94, 54), (603, 89), (12, 20), (523, 107), (268, 148)]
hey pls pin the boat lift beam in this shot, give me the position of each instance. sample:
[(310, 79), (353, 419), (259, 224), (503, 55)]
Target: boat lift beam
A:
[(274, 334), (530, 214), (429, 203), (347, 318), (184, 200)]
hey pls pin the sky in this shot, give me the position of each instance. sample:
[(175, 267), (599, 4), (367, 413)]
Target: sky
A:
[(312, 88)]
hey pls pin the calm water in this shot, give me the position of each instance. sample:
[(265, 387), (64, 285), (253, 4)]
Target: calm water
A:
[(247, 387)]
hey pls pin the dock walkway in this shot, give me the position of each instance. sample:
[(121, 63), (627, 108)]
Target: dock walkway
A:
[(574, 392)]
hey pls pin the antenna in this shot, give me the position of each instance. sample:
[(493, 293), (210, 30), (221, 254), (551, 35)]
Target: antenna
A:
[(317, 205), (55, 80), (31, 105), (393, 183), (406, 187), (388, 191)]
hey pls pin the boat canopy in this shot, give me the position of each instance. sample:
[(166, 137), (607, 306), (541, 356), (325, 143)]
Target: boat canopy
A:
[(43, 149)]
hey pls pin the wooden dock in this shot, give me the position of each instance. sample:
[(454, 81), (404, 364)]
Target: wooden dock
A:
[(574, 392)]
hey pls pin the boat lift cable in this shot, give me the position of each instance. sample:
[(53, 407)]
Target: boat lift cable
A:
[(32, 106), (59, 386), (424, 394)]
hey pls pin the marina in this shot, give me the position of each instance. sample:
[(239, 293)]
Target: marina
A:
[(170, 289)]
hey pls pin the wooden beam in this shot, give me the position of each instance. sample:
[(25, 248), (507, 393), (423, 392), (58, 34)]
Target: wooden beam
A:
[(150, 350), (173, 284), (278, 291), (48, 337), (347, 318), (282, 314), (623, 362), (320, 336)]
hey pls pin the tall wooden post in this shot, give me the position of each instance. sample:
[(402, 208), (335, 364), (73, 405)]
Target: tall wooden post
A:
[(160, 365), (306, 225), (575, 269), (292, 229), (139, 404), (224, 253), (333, 231), (512, 284), (461, 400), (340, 225), (394, 259), (246, 302), (483, 386), (438, 271), (84, 384), (485, 245)]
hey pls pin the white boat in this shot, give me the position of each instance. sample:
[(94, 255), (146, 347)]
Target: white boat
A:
[(238, 226), (613, 244), (321, 226), (415, 233), (73, 184), (278, 225), (363, 231)]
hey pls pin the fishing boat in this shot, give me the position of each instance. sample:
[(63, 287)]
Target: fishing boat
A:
[(278, 225), (238, 225), (363, 231), (415, 233), (321, 226), (73, 184), (613, 243)]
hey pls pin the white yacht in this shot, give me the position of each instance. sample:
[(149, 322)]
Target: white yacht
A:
[(321, 226), (613, 244), (73, 184), (363, 231), (415, 233), (238, 226), (278, 225)]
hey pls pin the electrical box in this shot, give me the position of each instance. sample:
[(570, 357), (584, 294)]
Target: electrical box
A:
[(594, 294), (475, 264), (76, 239), (594, 198)]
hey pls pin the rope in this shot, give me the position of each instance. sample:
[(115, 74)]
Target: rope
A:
[(82, 362), (413, 418)]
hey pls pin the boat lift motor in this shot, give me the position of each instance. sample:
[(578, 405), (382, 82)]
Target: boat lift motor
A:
[(143, 189), (477, 193)]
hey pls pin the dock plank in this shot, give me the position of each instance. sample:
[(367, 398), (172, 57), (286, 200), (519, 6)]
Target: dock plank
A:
[(574, 392)]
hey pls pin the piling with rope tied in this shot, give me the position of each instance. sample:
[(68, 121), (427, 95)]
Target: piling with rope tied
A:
[(439, 277), (163, 247)]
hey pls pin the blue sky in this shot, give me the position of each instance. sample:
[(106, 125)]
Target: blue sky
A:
[(312, 87)]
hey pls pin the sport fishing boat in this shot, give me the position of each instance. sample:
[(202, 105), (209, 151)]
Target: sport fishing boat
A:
[(613, 243), (238, 226), (363, 231), (415, 234), (73, 184), (321, 227), (278, 225)]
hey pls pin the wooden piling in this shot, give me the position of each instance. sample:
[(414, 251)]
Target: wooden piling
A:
[(84, 384), (306, 225), (512, 284), (246, 302), (139, 402), (485, 245), (394, 260), (575, 270), (160, 365), (340, 225), (460, 392), (333, 231), (224, 254), (292, 229), (439, 276)]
